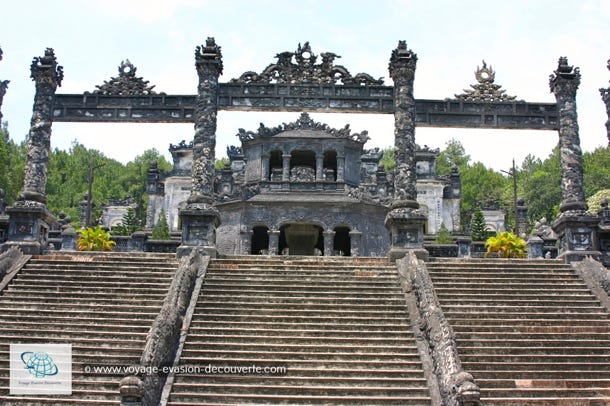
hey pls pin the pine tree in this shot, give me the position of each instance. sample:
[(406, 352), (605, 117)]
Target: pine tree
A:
[(478, 228), (161, 230)]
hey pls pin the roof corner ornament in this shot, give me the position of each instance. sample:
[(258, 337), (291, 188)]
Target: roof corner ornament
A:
[(485, 90)]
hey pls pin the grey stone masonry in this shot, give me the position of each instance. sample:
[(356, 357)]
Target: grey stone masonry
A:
[(47, 76), (402, 71), (564, 83)]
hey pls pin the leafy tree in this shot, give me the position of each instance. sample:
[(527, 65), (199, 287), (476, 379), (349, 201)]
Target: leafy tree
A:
[(161, 230), (540, 186), (12, 165), (596, 166), (454, 154), (595, 201), (480, 185), (220, 163), (388, 159)]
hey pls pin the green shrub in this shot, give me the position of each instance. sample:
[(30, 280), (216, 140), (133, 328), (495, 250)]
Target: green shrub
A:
[(507, 245), (443, 236), (478, 228), (94, 239)]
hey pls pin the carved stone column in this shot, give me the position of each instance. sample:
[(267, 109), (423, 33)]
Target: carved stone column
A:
[(200, 218), (274, 241), (245, 236), (264, 168), (285, 167), (605, 97), (319, 168), (575, 226), (3, 87), (340, 169), (29, 218), (404, 221), (329, 237), (355, 239)]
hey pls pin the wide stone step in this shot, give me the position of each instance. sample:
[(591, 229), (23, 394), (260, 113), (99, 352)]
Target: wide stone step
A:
[(305, 323), (297, 309), (301, 348), (305, 339), (500, 314), (522, 335), (19, 309), (333, 331), (83, 307), (228, 398), (537, 373), (280, 299), (332, 288), (222, 317), (549, 329), (548, 401), (542, 301), (195, 355), (83, 294), (202, 389), (87, 279), (536, 309), (44, 331), (76, 299), (46, 324), (593, 349), (356, 276), (322, 282), (449, 277), (548, 341)]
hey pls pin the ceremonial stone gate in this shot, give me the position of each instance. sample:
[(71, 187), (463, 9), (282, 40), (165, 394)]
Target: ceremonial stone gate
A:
[(297, 82)]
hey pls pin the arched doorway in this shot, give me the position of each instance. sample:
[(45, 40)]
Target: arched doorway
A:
[(301, 239), (260, 240), (342, 242)]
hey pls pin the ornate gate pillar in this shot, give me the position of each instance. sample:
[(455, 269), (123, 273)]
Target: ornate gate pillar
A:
[(404, 221), (29, 218), (575, 226), (200, 218)]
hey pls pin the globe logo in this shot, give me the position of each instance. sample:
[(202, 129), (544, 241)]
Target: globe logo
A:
[(39, 364)]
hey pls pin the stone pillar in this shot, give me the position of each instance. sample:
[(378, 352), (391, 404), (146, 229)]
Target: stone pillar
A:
[(3, 87), (355, 239), (29, 218), (329, 240), (319, 168), (245, 236), (264, 168), (405, 221), (69, 239), (575, 226), (521, 219), (340, 169), (535, 246), (463, 244), (274, 241), (200, 218), (606, 98), (285, 167)]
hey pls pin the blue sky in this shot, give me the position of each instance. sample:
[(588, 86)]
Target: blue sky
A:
[(521, 40)]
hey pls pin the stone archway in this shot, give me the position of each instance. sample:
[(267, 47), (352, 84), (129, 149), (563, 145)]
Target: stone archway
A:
[(301, 239)]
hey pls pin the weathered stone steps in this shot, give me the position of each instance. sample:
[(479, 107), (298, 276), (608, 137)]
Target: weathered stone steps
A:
[(339, 326), (531, 333), (101, 304)]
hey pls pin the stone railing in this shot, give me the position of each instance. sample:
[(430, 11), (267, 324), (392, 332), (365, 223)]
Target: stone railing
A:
[(11, 261), (164, 336), (456, 386), (597, 278)]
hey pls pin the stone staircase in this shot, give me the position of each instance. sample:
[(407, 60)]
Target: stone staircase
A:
[(530, 332), (101, 304), (338, 326)]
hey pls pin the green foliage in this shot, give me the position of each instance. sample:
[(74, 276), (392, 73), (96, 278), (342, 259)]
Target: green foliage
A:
[(478, 228), (161, 230), (388, 159), (506, 245), (443, 236), (220, 163), (454, 154), (480, 185), (596, 166), (540, 186), (595, 201), (94, 239), (129, 224), (12, 165)]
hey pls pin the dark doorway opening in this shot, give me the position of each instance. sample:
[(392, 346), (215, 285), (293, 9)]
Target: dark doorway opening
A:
[(341, 242), (260, 240)]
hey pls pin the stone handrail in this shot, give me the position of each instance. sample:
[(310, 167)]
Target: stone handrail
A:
[(457, 387), (597, 278), (11, 261), (164, 335)]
